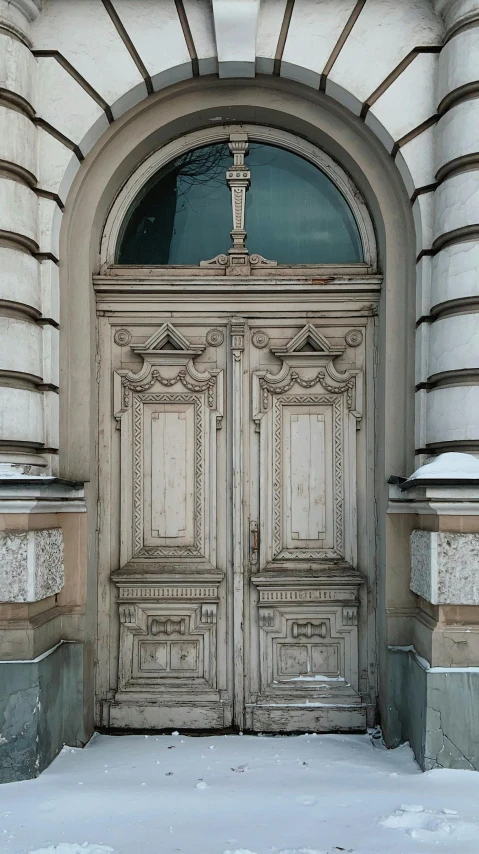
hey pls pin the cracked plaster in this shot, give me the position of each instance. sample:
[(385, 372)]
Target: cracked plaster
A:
[(455, 272), (454, 343), (458, 64), (452, 414), (435, 711), (451, 144), (456, 203)]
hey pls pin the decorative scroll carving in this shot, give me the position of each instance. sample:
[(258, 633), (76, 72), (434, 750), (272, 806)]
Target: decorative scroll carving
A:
[(184, 377), (294, 377), (308, 348)]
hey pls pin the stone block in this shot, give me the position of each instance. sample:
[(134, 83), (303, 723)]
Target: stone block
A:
[(18, 209), (452, 414), (21, 415), (31, 564), (21, 347), (445, 567)]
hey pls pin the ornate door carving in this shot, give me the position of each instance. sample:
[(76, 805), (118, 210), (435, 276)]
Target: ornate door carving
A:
[(169, 584), (236, 587), (307, 411)]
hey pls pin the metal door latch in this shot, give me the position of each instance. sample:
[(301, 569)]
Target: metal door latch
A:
[(253, 542)]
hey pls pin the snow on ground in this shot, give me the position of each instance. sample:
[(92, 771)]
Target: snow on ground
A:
[(243, 795)]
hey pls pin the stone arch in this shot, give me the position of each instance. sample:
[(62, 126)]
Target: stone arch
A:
[(140, 132), (388, 83), (116, 155)]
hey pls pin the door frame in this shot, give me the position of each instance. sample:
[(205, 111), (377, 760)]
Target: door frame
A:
[(115, 305)]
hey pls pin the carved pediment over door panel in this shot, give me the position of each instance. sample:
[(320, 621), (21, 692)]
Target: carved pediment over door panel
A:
[(308, 414), (169, 414)]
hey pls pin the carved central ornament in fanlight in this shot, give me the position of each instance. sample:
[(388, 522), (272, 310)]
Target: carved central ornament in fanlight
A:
[(238, 261)]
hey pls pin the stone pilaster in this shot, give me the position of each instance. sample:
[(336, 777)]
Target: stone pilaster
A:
[(28, 281), (452, 388)]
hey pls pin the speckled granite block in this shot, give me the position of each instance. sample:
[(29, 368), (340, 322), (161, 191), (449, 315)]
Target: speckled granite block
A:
[(31, 564), (445, 567)]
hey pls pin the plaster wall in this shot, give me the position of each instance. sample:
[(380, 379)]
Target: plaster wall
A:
[(87, 96)]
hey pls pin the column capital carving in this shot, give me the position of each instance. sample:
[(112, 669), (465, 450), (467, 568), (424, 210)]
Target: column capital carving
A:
[(457, 13)]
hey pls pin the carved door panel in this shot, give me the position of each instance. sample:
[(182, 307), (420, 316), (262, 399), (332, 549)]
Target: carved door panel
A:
[(171, 585), (233, 468), (306, 394)]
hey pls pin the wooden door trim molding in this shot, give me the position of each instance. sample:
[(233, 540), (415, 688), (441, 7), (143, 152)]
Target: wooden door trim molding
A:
[(237, 331)]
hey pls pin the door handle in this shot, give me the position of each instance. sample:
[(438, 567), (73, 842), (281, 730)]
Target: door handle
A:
[(253, 542)]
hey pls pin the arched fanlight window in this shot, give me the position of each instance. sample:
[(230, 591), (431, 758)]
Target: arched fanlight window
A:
[(275, 207)]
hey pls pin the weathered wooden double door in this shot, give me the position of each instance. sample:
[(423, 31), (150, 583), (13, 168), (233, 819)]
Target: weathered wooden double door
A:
[(229, 471)]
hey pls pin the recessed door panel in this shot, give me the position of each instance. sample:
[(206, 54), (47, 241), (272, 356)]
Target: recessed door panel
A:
[(169, 451)]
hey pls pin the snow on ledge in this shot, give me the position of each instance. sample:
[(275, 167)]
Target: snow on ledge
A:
[(451, 468), (425, 664)]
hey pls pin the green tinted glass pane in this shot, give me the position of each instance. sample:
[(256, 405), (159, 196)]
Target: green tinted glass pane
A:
[(183, 214), (295, 214)]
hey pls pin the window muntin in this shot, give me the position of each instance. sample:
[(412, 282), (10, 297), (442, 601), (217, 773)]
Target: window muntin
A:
[(295, 214)]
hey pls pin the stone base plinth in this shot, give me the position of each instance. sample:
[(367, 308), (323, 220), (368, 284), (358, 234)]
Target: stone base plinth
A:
[(41, 709), (435, 709)]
